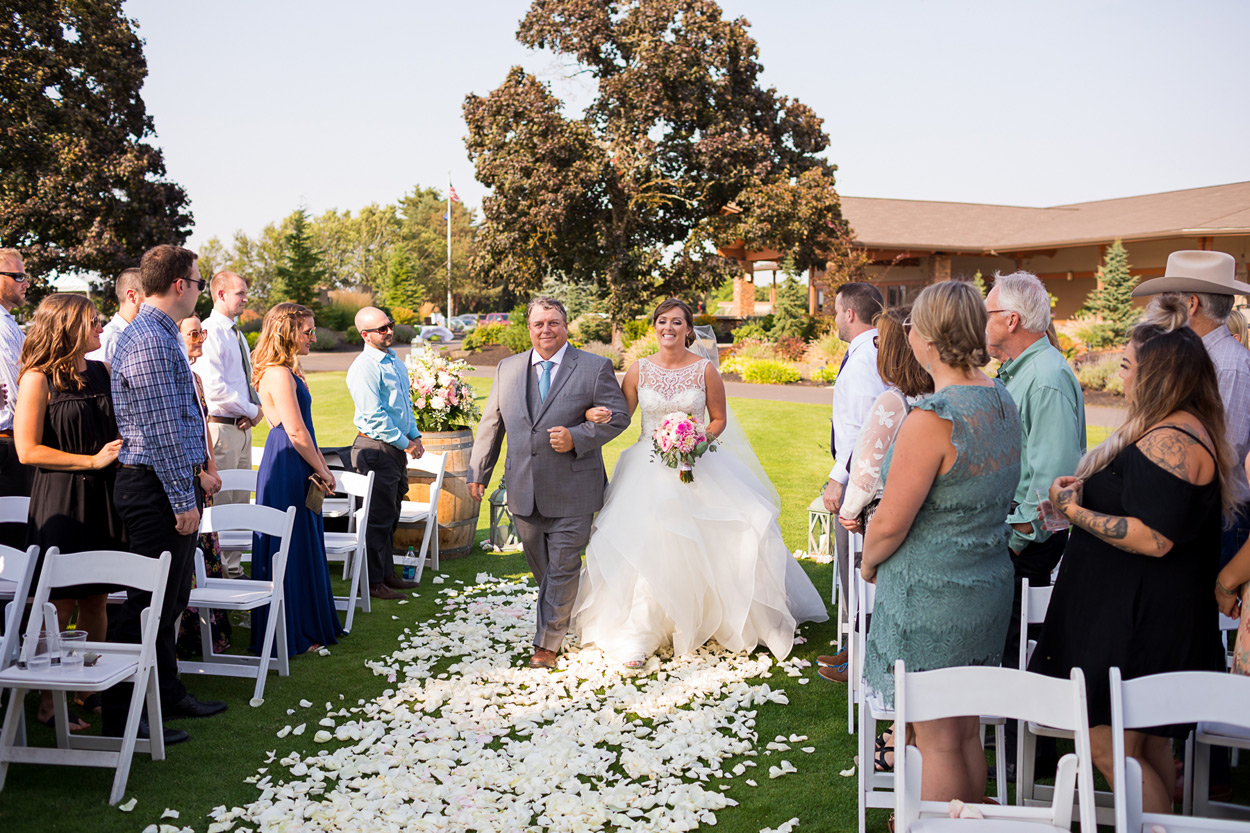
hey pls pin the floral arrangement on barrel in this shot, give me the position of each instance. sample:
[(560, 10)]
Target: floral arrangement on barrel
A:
[(441, 398)]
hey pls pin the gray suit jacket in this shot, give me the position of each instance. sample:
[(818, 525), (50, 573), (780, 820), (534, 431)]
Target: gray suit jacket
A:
[(539, 479)]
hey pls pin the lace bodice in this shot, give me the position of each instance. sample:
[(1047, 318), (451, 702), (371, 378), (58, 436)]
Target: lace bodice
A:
[(662, 391)]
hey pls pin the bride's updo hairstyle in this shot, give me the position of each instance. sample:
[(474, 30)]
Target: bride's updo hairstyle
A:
[(1173, 373), (951, 316), (676, 303)]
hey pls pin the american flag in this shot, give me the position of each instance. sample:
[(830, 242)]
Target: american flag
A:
[(451, 193)]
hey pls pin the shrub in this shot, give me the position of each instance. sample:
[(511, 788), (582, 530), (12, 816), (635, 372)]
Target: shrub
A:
[(252, 337), (250, 321), (754, 348), (647, 345), (1096, 374), (634, 330), (591, 328), (766, 371), (352, 336), (609, 352), (1115, 384), (827, 374), (791, 348), (403, 315), (705, 320), (484, 334), (516, 335), (1067, 345), (751, 329), (405, 333), (336, 317), (828, 349), (1098, 336), (327, 339)]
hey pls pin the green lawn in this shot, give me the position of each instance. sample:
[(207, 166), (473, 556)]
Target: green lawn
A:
[(792, 443)]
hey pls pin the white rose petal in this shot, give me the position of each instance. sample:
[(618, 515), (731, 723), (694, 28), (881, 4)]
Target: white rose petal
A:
[(128, 806), (299, 730), (169, 814)]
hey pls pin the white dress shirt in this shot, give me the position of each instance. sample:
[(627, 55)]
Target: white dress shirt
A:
[(857, 387), (536, 360), (11, 340), (221, 370), (108, 340)]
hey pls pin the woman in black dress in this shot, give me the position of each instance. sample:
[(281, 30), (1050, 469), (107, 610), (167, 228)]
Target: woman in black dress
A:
[(1134, 586), (63, 425)]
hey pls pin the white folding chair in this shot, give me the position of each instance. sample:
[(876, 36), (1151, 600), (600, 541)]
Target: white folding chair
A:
[(13, 510), (349, 547), (1206, 737), (17, 573), (848, 598), (258, 451), (414, 512), (118, 663), (977, 690), (243, 594), (1208, 698), (237, 480)]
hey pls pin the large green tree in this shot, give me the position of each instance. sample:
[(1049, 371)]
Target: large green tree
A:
[(680, 151), (301, 274), (1114, 301), (81, 188)]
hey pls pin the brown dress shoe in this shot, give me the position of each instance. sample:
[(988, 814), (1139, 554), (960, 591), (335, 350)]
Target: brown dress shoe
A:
[(543, 658), (397, 583), (381, 591), (837, 659)]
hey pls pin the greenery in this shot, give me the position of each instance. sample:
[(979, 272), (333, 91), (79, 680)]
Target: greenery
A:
[(633, 330), (402, 289), (827, 374), (751, 329), (590, 327), (404, 315), (646, 345), (252, 337), (790, 312), (327, 340), (1099, 336), (405, 333), (353, 336), (301, 273), (979, 282), (483, 335), (681, 148), (600, 348), (828, 348), (761, 371), (84, 187), (1097, 374), (1113, 303)]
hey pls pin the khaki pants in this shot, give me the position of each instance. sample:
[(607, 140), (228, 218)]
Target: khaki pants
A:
[(232, 449)]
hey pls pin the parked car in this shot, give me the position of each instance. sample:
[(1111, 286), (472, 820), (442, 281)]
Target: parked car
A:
[(497, 318), (463, 323)]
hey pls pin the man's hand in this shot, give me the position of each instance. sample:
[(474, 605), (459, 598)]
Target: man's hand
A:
[(833, 496), (243, 423), (561, 439), (415, 449), (476, 490), (188, 522)]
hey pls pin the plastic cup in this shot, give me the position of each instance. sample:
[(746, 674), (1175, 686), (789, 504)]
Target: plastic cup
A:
[(1052, 520), (72, 649)]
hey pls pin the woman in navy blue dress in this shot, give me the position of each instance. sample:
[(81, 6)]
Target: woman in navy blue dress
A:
[(291, 458)]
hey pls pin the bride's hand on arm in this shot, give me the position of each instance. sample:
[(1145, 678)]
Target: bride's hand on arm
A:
[(716, 408), (598, 414)]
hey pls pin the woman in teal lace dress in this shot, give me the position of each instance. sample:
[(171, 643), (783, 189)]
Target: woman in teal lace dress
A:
[(937, 546)]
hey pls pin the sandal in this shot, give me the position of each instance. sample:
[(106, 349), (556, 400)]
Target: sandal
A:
[(882, 744), (93, 703), (878, 759), (76, 723)]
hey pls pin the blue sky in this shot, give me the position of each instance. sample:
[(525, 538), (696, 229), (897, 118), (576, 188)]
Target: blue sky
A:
[(263, 105)]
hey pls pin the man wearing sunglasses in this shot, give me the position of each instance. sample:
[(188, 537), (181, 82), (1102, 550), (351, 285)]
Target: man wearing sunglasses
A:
[(15, 478), (387, 431)]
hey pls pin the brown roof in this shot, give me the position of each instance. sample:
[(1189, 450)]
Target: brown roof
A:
[(974, 227)]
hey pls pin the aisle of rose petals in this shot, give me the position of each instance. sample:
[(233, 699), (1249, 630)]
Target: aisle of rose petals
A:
[(470, 739)]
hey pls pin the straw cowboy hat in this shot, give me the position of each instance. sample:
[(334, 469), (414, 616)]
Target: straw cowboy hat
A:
[(1193, 271)]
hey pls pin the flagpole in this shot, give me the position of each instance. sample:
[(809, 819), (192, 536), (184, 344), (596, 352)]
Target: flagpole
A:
[(448, 315)]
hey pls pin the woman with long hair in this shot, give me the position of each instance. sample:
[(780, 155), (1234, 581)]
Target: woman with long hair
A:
[(1134, 586), (937, 545), (290, 462), (63, 425)]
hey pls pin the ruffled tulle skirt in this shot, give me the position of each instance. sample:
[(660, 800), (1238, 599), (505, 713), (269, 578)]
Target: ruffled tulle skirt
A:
[(678, 564)]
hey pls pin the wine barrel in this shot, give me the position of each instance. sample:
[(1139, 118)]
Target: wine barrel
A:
[(457, 512)]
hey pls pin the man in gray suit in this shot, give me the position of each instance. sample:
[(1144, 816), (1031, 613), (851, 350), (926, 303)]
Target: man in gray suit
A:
[(554, 469)]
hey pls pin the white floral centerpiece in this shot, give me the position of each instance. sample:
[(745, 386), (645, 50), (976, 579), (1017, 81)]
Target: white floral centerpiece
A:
[(441, 398)]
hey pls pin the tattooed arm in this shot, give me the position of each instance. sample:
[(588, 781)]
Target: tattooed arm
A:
[(1128, 534)]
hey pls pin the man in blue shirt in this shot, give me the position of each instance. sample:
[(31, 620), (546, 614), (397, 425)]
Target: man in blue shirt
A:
[(387, 431), (164, 471)]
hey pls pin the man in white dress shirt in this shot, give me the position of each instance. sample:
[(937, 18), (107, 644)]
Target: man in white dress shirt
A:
[(233, 404), (15, 478), (856, 307), (129, 291)]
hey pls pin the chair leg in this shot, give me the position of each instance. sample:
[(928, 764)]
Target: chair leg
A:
[(121, 773), (60, 710), (867, 729), (156, 745), (13, 718), (425, 543), (1000, 763), (206, 633), (1202, 779), (1026, 743), (266, 649), (284, 651)]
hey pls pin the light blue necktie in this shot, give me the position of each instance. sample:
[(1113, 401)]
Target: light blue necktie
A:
[(544, 381)]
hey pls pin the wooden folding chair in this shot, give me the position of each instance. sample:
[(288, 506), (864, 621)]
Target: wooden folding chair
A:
[(118, 663)]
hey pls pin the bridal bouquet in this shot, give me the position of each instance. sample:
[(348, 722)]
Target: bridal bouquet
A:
[(680, 440), (441, 399)]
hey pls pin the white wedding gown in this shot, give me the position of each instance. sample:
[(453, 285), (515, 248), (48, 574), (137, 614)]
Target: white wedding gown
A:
[(672, 563)]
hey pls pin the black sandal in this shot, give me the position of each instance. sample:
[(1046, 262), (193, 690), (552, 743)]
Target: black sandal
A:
[(879, 761)]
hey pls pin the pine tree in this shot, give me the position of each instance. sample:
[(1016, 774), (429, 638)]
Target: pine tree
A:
[(402, 289), (301, 273), (790, 313), (979, 282), (1114, 302)]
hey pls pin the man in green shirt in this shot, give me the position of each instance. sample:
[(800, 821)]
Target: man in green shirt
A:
[(1052, 416)]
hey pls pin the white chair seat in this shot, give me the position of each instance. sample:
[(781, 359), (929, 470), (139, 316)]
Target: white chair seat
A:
[(335, 507), (411, 512), (932, 825), (234, 540), (113, 667), (1225, 732), (340, 542), (228, 598), (7, 589)]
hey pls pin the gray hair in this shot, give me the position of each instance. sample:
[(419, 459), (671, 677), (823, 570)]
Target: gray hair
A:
[(1215, 307), (547, 302), (1024, 294)]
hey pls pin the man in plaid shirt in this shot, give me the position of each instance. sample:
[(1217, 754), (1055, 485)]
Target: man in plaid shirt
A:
[(164, 472)]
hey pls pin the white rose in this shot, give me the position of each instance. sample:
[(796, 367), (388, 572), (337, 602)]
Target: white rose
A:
[(438, 403)]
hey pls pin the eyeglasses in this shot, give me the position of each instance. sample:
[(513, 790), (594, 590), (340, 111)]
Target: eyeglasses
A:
[(95, 321), (196, 335), (313, 333), (20, 277), (992, 311), (385, 328), (200, 283)]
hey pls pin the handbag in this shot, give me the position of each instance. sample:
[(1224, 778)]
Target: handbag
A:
[(316, 495), (865, 514)]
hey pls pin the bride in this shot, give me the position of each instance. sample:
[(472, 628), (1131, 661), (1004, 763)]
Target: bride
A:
[(677, 564)]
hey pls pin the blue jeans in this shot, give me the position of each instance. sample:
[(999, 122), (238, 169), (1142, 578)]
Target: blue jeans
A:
[(1235, 535)]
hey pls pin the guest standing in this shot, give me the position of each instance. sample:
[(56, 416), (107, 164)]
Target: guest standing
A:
[(64, 428), (291, 457), (937, 545), (159, 490), (233, 404), (15, 477), (386, 432), (1134, 587), (129, 291), (856, 307)]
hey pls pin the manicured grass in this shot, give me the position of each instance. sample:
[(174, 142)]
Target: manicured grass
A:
[(792, 443)]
